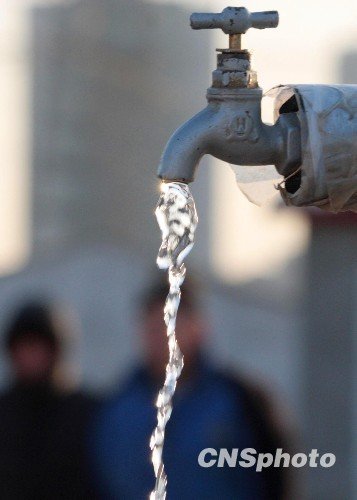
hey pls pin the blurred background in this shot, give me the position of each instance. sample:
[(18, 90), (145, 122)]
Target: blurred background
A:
[(90, 91)]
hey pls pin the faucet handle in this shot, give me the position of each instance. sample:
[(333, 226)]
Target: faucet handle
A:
[(235, 20)]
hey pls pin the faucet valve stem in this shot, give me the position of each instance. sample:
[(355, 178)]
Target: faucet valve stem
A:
[(235, 42), (233, 66)]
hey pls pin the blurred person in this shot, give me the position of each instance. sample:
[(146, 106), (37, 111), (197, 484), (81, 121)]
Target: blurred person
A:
[(42, 427), (211, 410)]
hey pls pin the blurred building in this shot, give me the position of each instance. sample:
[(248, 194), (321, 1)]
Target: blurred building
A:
[(111, 80), (329, 337)]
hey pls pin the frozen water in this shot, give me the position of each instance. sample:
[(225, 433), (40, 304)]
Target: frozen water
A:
[(177, 219)]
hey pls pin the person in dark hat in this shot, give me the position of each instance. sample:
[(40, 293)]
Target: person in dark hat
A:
[(42, 427), (33, 346)]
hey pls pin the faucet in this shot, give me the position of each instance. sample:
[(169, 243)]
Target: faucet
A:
[(312, 144), (230, 128)]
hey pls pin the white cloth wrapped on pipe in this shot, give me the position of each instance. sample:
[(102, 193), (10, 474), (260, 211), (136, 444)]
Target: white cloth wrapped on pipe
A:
[(328, 117)]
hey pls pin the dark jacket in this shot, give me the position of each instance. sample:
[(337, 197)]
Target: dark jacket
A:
[(42, 444), (213, 410)]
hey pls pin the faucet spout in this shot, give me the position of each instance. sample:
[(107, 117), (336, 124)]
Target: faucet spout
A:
[(230, 128), (185, 148)]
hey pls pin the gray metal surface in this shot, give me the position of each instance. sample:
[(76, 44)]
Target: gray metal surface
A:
[(235, 20)]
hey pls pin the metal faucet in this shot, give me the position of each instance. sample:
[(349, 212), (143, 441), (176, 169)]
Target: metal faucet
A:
[(230, 128)]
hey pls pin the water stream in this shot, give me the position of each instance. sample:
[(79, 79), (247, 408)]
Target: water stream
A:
[(177, 218)]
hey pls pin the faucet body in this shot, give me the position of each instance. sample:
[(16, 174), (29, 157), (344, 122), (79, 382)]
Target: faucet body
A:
[(230, 128)]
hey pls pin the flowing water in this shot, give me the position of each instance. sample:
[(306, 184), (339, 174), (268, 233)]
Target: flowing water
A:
[(177, 218)]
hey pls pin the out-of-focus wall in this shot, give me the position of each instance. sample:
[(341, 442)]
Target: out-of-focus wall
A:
[(329, 358), (111, 81)]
